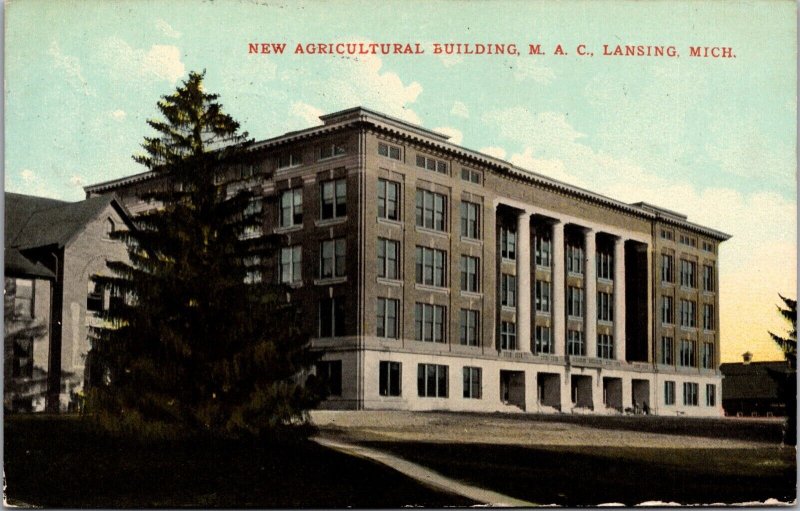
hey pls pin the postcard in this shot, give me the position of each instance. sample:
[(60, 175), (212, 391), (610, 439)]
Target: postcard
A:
[(540, 252)]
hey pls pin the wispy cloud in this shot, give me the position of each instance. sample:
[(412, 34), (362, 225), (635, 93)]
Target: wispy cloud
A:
[(71, 67), (167, 29), (460, 110)]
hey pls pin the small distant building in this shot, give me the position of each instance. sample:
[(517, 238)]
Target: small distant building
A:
[(52, 249), (750, 389)]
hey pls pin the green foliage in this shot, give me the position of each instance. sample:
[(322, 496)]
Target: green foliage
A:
[(199, 344), (788, 344)]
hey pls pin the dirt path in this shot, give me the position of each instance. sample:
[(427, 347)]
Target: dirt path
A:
[(466, 428), (425, 475)]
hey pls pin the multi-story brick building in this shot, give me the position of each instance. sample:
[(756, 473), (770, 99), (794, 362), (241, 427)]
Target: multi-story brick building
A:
[(437, 277)]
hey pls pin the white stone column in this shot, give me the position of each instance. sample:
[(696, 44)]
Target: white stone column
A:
[(590, 288), (558, 297), (619, 298), (524, 282)]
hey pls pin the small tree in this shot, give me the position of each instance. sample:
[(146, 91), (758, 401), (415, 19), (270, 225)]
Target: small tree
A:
[(198, 343), (788, 344), (19, 332), (787, 380)]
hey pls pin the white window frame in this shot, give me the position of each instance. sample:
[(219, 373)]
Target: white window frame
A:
[(292, 264), (388, 267), (430, 322), (508, 336), (291, 209), (337, 255), (387, 326)]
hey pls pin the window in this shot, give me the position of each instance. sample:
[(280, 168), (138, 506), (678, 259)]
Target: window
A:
[(23, 298), (389, 151), (688, 276), (473, 176), (542, 296), (470, 218), (388, 318), (472, 382), (388, 199), (429, 322), (688, 241), (708, 247), (334, 199), (575, 259), (469, 333), (689, 394), (292, 264), (331, 317), (508, 290), (508, 243), (708, 278), (431, 210), (707, 360), (575, 345), (605, 266), (332, 262), (605, 346), (470, 267), (667, 351), (388, 259), (287, 160), (605, 306), (330, 372), (666, 235), (431, 380), (544, 251), (667, 310), (687, 354), (688, 313), (330, 150), (246, 170), (708, 316), (543, 342), (292, 207), (254, 206), (711, 394), (508, 335), (433, 164), (110, 227), (252, 265), (667, 268), (669, 392), (389, 378), (431, 268), (95, 299), (575, 302)]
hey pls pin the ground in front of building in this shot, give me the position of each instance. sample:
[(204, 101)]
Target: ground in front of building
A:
[(585, 460), (57, 461)]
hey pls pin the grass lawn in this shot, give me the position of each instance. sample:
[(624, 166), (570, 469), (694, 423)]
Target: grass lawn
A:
[(579, 476), (59, 462)]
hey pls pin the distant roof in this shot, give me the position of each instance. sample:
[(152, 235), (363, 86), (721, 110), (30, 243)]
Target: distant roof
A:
[(17, 265), (751, 381), (38, 222)]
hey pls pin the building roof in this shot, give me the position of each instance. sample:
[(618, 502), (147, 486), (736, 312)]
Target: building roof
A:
[(17, 265), (33, 222), (751, 381), (358, 115)]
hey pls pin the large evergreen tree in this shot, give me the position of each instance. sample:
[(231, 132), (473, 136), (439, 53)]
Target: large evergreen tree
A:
[(198, 343), (787, 380)]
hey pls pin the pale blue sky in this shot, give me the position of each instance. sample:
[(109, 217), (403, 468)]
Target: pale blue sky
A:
[(712, 138)]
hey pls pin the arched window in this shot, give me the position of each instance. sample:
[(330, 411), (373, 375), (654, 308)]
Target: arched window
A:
[(110, 226)]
